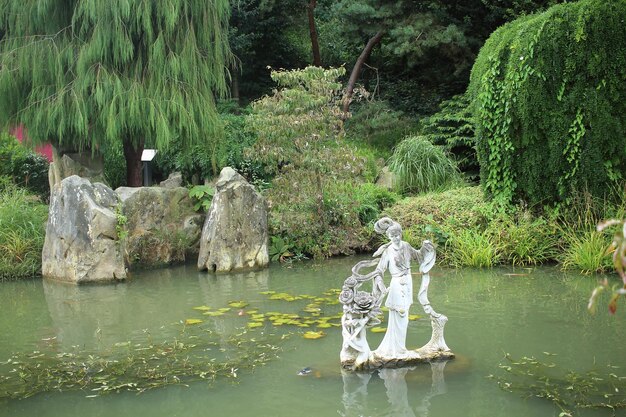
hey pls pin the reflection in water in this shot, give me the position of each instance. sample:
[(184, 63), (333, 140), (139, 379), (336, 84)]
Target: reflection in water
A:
[(355, 395), (149, 307)]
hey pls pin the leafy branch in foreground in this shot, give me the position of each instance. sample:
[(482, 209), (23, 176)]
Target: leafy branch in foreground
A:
[(566, 389), (619, 262)]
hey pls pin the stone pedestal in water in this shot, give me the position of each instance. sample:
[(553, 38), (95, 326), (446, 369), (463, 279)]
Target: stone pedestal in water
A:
[(235, 235)]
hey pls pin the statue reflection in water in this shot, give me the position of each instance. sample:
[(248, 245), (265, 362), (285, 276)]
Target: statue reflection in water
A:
[(355, 392)]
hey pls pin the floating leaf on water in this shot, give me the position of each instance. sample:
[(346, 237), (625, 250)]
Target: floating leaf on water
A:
[(324, 325), (192, 321), (414, 317), (313, 335), (284, 296), (267, 292), (223, 309), (238, 304), (254, 324), (257, 316), (378, 329), (213, 313), (202, 308)]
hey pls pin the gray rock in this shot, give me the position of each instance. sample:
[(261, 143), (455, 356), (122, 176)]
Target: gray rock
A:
[(162, 226), (235, 235), (67, 163), (386, 179), (175, 180), (81, 243)]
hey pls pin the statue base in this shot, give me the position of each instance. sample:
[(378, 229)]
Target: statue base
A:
[(411, 358)]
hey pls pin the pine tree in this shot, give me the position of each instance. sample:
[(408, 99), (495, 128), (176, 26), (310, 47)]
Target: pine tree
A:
[(91, 73)]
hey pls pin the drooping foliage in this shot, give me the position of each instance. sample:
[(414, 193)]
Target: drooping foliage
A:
[(550, 99), (87, 73)]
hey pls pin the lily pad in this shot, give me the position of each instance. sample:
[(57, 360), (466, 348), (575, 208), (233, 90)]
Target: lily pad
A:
[(414, 317), (254, 324), (313, 335), (202, 308), (238, 304), (378, 329), (192, 321), (324, 325), (223, 309), (213, 313)]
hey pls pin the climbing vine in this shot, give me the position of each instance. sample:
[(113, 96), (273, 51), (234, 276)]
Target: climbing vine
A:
[(538, 86)]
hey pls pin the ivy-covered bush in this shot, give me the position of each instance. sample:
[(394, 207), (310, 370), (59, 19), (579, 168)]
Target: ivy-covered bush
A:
[(549, 95)]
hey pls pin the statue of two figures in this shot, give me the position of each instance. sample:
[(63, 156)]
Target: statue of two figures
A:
[(361, 309)]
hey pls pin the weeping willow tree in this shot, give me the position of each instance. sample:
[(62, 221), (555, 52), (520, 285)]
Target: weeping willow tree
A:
[(88, 74)]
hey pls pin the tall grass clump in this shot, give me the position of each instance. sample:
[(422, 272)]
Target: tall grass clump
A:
[(524, 239), (583, 247), (473, 248), (22, 231), (421, 167), (587, 252)]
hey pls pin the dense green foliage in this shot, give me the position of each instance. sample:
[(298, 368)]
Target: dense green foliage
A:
[(22, 230), (23, 167), (84, 74), (375, 123), (550, 99), (452, 127), (319, 199), (421, 167), (469, 231)]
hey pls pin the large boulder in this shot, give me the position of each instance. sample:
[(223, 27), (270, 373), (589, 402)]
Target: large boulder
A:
[(82, 242), (67, 163), (161, 225), (234, 236)]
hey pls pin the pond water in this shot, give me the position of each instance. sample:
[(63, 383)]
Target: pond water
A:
[(539, 312)]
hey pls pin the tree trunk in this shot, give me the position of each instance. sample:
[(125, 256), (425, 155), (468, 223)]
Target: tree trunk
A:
[(315, 47), (347, 98), (134, 166)]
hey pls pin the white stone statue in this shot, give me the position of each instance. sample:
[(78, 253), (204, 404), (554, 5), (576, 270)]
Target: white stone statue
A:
[(361, 309)]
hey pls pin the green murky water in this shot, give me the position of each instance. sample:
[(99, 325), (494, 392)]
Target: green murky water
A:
[(491, 312)]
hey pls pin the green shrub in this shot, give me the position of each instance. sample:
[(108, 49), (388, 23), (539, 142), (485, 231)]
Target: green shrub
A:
[(452, 127), (421, 167), (315, 174), (378, 125), (551, 87), (202, 161), (25, 168), (453, 210), (114, 165), (22, 230)]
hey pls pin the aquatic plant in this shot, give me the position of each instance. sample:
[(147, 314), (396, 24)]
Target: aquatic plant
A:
[(567, 389)]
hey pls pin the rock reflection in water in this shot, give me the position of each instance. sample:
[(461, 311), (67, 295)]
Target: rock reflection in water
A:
[(355, 397)]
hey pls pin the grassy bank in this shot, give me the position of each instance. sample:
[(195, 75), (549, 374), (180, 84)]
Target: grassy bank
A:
[(22, 231), (470, 232)]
